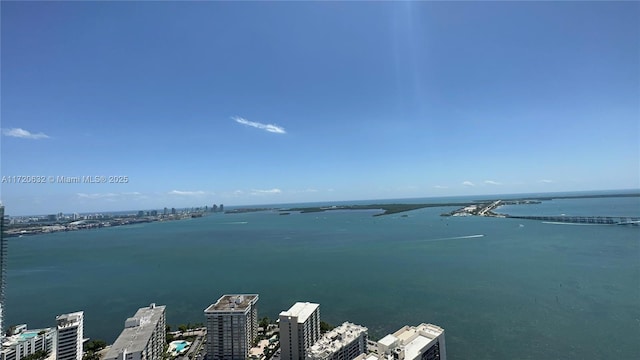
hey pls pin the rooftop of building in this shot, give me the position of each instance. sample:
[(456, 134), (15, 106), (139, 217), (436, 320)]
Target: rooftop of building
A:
[(414, 347), (408, 333), (301, 310), (71, 319), (137, 332), (367, 357), (233, 302), (388, 340), (413, 339), (334, 340)]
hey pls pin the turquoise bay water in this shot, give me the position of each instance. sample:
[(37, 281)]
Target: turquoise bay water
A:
[(501, 288), (627, 206)]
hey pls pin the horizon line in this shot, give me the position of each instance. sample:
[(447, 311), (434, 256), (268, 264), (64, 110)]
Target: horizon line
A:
[(340, 201)]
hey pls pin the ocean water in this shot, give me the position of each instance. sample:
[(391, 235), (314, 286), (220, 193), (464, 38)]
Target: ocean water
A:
[(501, 288)]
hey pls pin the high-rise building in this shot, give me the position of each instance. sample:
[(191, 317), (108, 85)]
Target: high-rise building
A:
[(143, 337), (345, 342), (23, 342), (70, 336), (299, 330), (422, 342), (232, 326), (3, 269)]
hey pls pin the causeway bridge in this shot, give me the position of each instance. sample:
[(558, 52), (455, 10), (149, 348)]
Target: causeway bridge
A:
[(605, 220)]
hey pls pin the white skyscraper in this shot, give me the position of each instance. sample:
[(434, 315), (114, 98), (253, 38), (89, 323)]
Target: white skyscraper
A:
[(70, 336), (232, 325), (143, 337), (299, 330), (3, 270)]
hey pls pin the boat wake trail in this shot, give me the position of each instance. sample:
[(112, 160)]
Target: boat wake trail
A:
[(457, 237), (236, 222)]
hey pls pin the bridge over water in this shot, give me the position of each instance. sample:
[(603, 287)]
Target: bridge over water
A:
[(605, 220)]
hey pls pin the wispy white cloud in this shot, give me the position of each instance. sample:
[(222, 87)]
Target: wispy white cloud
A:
[(491, 182), (266, 127), (303, 191), (468, 183), (97, 195), (408, 187), (110, 196), (265, 192), (23, 134), (441, 187), (545, 181), (188, 193)]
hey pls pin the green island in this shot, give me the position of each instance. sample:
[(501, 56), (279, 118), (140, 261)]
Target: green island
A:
[(388, 208)]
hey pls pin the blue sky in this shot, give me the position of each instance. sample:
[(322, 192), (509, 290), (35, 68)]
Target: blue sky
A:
[(255, 103)]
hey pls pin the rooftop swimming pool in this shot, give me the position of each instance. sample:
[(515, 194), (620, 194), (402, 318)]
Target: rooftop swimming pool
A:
[(28, 335)]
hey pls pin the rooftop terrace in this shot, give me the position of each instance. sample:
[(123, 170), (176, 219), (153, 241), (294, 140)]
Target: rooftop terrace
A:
[(68, 320), (137, 332), (233, 302)]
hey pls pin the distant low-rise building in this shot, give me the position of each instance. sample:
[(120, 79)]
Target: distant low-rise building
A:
[(345, 342), (23, 342), (143, 337)]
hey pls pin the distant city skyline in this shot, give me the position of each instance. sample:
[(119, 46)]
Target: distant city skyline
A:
[(192, 104)]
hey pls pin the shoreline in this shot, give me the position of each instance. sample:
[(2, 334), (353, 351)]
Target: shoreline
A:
[(469, 208)]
